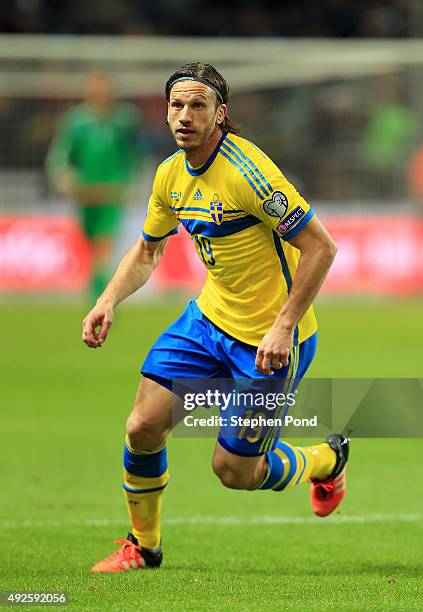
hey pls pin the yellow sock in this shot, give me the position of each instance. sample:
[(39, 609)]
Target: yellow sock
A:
[(324, 459), (290, 465), (145, 478)]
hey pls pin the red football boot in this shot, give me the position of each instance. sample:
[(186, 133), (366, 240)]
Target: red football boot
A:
[(130, 556), (326, 495)]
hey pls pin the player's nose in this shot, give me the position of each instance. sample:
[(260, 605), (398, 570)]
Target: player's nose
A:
[(185, 115)]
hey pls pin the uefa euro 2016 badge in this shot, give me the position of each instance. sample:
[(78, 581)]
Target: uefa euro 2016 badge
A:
[(216, 210)]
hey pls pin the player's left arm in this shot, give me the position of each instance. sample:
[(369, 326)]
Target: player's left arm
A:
[(317, 252)]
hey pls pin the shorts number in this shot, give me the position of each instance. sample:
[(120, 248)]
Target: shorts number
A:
[(252, 434), (206, 250)]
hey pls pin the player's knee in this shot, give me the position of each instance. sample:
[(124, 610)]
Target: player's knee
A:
[(143, 433)]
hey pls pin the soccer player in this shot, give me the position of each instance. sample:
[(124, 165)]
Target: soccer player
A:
[(266, 255), (93, 158)]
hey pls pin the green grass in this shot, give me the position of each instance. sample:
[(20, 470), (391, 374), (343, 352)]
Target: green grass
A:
[(62, 418)]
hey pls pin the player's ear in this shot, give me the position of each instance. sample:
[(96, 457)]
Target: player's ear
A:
[(221, 114)]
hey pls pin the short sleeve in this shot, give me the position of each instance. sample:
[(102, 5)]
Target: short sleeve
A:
[(276, 202), (160, 221)]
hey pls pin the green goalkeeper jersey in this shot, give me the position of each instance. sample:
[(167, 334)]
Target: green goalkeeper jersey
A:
[(98, 149)]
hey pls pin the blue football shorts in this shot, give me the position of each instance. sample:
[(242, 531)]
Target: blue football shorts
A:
[(193, 347)]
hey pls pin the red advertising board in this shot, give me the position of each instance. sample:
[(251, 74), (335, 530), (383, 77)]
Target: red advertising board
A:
[(376, 255), (40, 253), (180, 267)]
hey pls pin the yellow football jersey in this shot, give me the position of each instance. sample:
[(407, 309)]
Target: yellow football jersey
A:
[(240, 212)]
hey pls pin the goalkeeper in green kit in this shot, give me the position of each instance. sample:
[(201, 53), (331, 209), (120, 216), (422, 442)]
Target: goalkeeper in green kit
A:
[(93, 158)]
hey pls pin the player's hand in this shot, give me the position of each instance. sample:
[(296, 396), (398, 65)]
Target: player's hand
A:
[(96, 325), (274, 350), (65, 183)]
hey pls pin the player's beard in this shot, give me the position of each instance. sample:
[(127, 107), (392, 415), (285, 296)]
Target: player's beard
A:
[(199, 139)]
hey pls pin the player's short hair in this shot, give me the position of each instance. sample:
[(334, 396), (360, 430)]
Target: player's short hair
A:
[(207, 74)]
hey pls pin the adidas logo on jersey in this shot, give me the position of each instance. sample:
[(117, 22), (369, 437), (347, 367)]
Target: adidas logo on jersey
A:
[(198, 195)]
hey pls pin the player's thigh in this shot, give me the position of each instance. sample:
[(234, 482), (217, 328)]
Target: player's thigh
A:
[(108, 220), (183, 352), (150, 421), (253, 429), (102, 220)]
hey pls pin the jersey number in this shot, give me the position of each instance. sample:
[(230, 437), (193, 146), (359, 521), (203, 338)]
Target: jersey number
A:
[(206, 250)]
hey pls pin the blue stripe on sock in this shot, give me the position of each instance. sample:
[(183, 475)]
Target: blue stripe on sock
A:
[(151, 465), (304, 465), (292, 464), (276, 468), (130, 490)]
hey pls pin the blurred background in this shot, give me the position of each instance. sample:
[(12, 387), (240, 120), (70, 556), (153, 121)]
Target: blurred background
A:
[(333, 94)]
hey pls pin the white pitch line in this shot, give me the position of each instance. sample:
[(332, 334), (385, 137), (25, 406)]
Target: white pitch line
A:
[(337, 519)]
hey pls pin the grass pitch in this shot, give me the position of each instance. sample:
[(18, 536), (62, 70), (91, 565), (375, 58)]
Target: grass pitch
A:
[(63, 409)]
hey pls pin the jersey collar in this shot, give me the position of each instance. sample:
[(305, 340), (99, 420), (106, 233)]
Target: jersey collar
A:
[(204, 167)]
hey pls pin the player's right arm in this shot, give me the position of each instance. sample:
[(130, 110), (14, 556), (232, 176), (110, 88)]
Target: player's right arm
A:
[(58, 162), (133, 271), (136, 266)]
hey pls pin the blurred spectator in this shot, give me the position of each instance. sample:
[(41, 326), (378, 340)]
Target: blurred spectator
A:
[(389, 135), (415, 178), (329, 18), (93, 158), (334, 122)]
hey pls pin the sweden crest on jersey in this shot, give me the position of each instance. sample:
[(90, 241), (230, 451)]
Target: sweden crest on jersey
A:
[(216, 210)]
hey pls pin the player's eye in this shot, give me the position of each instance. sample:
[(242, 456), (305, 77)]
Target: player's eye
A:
[(198, 105)]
